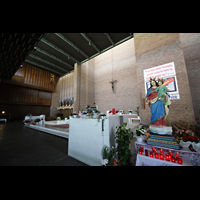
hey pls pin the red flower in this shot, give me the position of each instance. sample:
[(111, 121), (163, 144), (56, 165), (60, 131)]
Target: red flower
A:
[(190, 138), (184, 137), (114, 162)]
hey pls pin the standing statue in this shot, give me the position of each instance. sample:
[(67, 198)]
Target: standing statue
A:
[(157, 98)]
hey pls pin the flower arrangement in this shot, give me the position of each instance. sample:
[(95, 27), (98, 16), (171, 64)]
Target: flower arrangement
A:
[(186, 135), (27, 121), (190, 138)]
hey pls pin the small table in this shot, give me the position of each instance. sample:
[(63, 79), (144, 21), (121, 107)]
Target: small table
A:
[(143, 160)]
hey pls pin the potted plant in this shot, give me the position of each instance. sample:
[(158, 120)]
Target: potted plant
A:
[(66, 117), (123, 137), (130, 112), (74, 115), (138, 111), (109, 156), (140, 133)]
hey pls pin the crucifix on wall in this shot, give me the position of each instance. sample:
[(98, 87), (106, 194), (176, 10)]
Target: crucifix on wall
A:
[(112, 82)]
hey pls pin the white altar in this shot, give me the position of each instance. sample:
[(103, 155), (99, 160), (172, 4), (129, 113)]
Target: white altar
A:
[(88, 136)]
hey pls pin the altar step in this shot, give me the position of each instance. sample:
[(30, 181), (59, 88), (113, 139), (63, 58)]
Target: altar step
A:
[(50, 130)]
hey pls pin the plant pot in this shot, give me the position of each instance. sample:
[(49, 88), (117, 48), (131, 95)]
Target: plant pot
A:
[(140, 138)]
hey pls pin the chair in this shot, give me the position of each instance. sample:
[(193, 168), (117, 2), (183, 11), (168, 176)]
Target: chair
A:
[(183, 125), (168, 123)]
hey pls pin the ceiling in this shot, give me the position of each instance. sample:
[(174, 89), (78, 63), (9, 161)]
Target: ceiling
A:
[(54, 52)]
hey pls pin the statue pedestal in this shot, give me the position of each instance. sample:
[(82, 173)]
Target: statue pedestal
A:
[(162, 136), (165, 130)]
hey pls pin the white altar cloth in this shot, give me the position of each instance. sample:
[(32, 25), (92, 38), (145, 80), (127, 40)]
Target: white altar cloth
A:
[(143, 160)]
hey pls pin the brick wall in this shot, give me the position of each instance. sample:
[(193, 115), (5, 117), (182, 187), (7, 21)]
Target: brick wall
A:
[(190, 43), (126, 62), (153, 49), (119, 64)]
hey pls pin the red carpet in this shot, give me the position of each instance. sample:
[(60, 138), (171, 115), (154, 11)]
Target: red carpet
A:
[(62, 126)]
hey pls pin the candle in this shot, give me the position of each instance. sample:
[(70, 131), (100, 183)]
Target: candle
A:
[(162, 156), (146, 152), (142, 149), (153, 149), (151, 154), (177, 154), (157, 155), (180, 159), (167, 157), (170, 152), (173, 159), (161, 150)]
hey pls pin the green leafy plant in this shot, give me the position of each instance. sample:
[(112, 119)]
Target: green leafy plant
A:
[(123, 137), (140, 131), (66, 116), (137, 111), (108, 155)]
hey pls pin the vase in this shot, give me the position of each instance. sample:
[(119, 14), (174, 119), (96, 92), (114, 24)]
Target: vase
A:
[(185, 145), (196, 146)]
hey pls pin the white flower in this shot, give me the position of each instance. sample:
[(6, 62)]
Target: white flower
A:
[(105, 161)]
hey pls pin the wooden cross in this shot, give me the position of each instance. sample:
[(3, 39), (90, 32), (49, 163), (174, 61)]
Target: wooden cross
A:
[(112, 82)]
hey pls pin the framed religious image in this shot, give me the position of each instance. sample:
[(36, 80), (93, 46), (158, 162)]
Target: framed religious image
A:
[(172, 86), (165, 71)]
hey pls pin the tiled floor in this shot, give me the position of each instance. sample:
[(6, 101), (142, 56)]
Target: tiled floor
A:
[(22, 146)]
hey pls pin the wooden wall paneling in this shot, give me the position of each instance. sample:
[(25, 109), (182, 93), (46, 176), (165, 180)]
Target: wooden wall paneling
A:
[(45, 79), (20, 94), (33, 76), (32, 73), (23, 94), (28, 75), (25, 73), (41, 85), (37, 77)]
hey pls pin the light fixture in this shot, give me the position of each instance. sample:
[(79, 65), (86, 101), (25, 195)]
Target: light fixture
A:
[(21, 66), (3, 112), (89, 43)]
